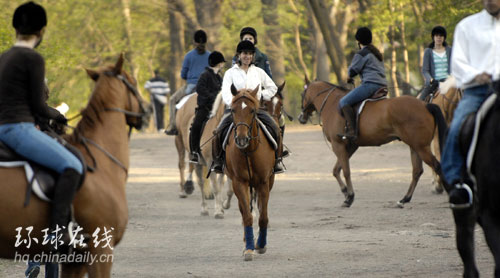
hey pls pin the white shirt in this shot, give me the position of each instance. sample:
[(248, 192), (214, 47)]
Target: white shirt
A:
[(254, 77), (476, 49)]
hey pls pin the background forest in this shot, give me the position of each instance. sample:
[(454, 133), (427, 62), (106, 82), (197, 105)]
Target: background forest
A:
[(313, 38)]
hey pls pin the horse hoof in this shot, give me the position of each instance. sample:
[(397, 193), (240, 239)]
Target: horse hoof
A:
[(219, 215), (437, 190), (182, 195), (348, 201), (204, 213), (248, 255), (189, 187), (226, 204), (400, 204), (260, 250), (346, 205)]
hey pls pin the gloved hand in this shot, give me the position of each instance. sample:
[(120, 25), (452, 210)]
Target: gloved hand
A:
[(61, 119), (350, 80)]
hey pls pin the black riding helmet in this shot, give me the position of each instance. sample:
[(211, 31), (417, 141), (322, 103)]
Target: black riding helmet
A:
[(215, 58), (249, 30), (245, 46), (200, 36), (29, 18), (438, 30), (364, 35)]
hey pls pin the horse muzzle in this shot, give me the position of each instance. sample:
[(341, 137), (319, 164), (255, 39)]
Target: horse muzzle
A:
[(242, 142), (302, 118)]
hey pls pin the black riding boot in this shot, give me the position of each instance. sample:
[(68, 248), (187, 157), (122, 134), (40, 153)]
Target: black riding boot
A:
[(64, 192), (217, 154), (429, 89), (285, 152), (350, 118)]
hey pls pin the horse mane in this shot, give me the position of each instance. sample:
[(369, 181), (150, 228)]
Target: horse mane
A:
[(217, 102), (334, 85)]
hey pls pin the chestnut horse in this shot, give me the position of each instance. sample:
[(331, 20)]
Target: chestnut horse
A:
[(249, 165), (447, 99), (184, 119), (403, 118), (101, 201)]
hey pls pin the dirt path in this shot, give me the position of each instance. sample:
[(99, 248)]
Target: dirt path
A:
[(310, 235)]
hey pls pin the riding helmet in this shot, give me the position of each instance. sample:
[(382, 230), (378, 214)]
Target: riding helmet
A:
[(200, 36), (438, 30), (215, 58), (364, 35), (29, 18), (245, 46), (250, 31)]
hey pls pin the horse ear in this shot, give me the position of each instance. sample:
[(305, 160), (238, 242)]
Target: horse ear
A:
[(94, 75), (280, 90), (306, 80), (118, 66), (255, 91), (233, 90)]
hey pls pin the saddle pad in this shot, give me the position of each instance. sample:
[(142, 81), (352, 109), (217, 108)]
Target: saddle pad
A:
[(29, 176), (183, 101), (481, 113), (362, 105)]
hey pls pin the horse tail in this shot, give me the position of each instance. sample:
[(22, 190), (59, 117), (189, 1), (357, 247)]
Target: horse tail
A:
[(440, 122)]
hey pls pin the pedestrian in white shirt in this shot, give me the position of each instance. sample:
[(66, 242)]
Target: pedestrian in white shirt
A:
[(475, 62), (244, 75)]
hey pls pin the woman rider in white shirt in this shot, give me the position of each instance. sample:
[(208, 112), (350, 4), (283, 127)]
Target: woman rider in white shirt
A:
[(244, 74)]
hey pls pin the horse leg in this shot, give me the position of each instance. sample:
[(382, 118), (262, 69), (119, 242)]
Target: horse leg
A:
[(181, 151), (438, 187), (242, 193), (465, 221), (201, 183), (343, 158), (217, 184), (263, 199), (229, 193), (491, 228), (73, 270), (102, 267), (417, 171), (336, 173)]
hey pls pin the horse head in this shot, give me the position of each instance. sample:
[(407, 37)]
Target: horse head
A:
[(117, 91), (244, 111), (307, 103), (275, 106)]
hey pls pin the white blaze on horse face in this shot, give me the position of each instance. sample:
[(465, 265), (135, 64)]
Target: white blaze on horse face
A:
[(243, 105), (275, 102)]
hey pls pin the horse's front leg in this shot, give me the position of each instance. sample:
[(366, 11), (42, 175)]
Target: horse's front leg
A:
[(465, 221), (73, 270), (217, 184), (263, 199), (491, 229), (229, 193), (181, 152), (336, 173), (343, 161), (241, 190), (201, 183), (101, 263)]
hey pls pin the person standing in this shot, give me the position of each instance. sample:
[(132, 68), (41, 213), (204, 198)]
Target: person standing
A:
[(436, 64), (475, 63), (158, 88), (193, 65)]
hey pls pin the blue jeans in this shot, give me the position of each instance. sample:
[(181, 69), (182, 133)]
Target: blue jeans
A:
[(29, 142), (452, 161), (190, 88), (51, 269), (359, 94)]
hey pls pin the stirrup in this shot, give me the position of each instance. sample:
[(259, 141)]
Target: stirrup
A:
[(467, 204), (346, 136), (194, 158)]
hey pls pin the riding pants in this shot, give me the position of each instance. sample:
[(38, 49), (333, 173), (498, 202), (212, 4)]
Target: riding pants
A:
[(359, 94)]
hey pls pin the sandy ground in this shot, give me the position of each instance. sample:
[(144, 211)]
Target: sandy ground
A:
[(310, 235)]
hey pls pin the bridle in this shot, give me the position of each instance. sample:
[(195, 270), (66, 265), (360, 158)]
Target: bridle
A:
[(250, 126), (328, 90)]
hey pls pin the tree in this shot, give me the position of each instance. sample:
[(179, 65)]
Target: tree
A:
[(273, 43)]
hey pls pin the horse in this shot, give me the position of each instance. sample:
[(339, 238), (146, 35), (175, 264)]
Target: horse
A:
[(249, 164), (402, 118), (275, 108), (447, 99), (100, 204), (483, 171), (184, 119)]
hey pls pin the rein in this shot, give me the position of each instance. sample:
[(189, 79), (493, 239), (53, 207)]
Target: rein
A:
[(329, 90)]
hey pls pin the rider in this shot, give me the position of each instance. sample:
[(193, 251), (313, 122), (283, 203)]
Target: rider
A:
[(436, 65), (368, 63), (260, 59), (208, 86), (243, 75), (474, 63), (193, 65)]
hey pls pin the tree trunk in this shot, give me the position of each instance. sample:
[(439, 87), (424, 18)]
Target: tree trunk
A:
[(392, 40), (129, 54), (298, 44), (274, 45), (208, 14), (418, 34), (176, 54)]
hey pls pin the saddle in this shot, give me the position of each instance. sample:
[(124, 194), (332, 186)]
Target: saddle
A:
[(41, 180), (380, 94)]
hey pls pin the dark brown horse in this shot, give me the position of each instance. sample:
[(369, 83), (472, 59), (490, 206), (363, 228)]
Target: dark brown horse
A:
[(249, 165), (101, 201), (403, 118)]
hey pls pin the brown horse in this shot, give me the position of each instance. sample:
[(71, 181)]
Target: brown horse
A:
[(448, 103), (184, 119), (249, 165), (101, 202), (403, 118)]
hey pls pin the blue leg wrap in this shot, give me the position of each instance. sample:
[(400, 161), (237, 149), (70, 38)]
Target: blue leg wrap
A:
[(249, 238), (262, 241)]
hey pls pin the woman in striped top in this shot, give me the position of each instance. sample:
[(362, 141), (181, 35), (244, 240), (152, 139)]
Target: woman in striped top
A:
[(436, 65)]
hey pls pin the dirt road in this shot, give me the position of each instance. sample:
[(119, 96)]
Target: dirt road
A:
[(310, 235)]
